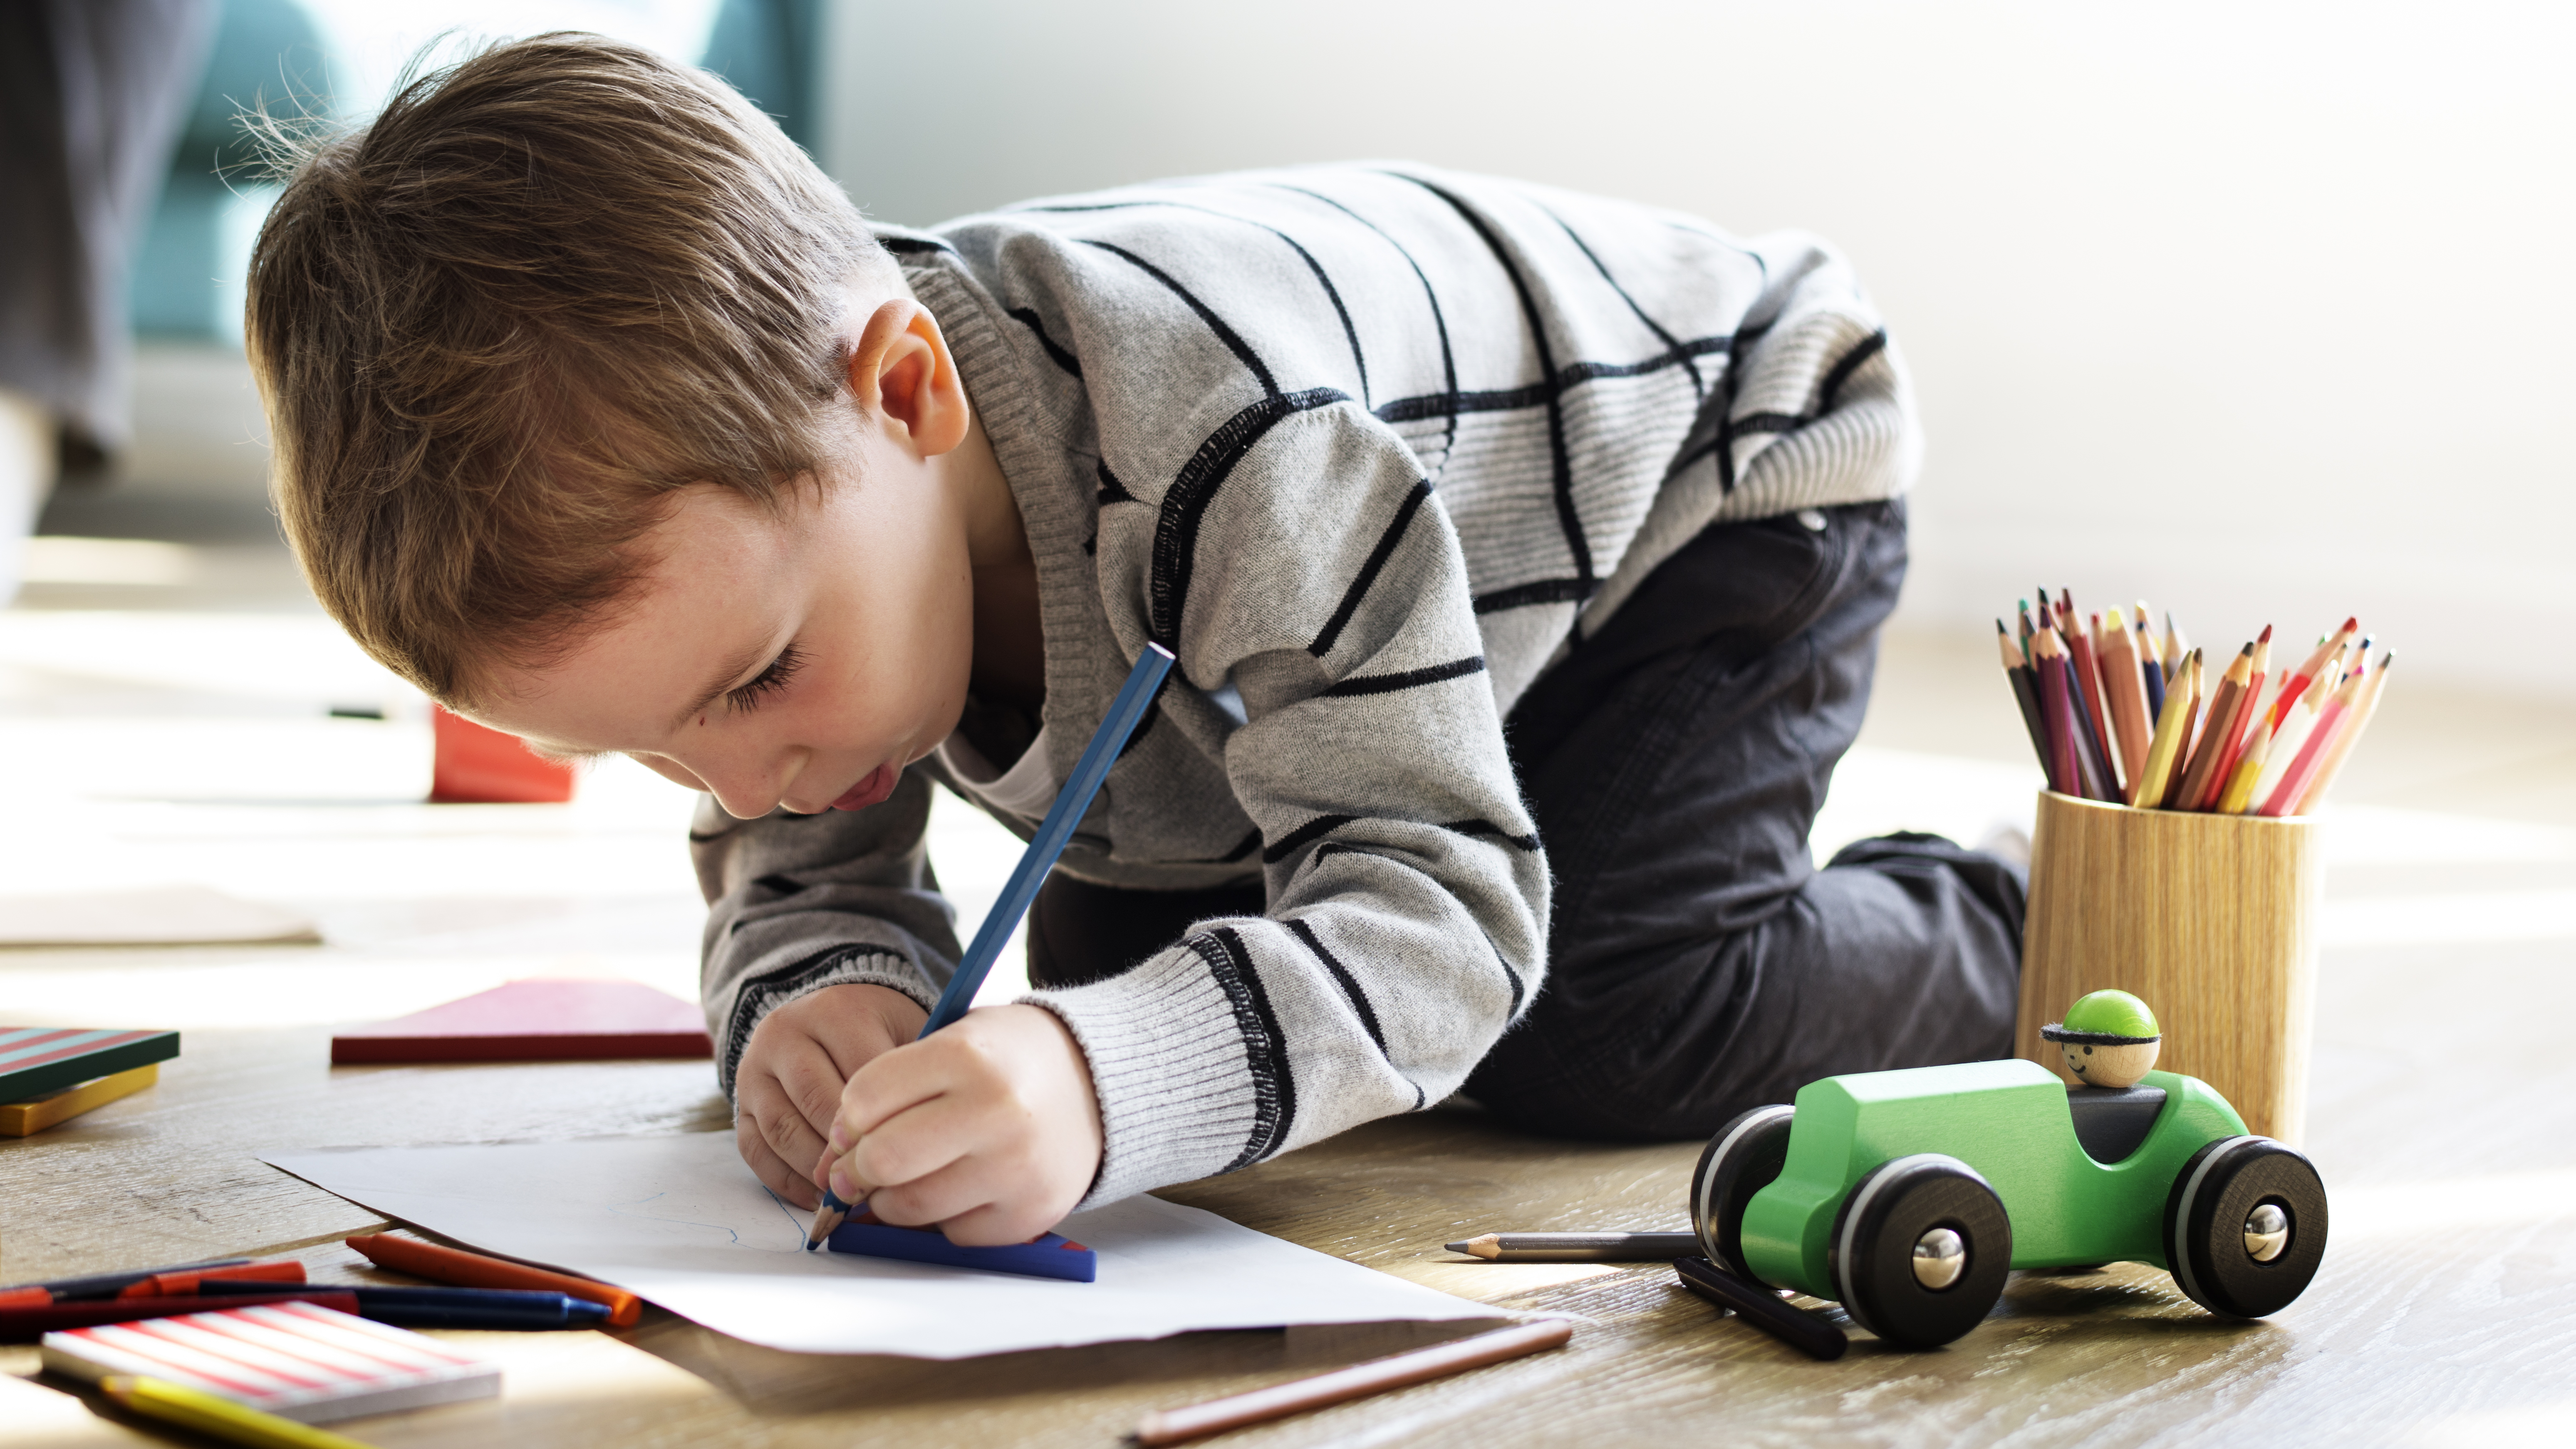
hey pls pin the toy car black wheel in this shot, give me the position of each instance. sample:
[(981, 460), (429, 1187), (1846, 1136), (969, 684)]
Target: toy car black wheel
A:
[(2245, 1226), (1920, 1250), (1742, 1159)]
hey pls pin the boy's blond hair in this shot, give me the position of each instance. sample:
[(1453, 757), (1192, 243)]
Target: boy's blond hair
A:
[(496, 327)]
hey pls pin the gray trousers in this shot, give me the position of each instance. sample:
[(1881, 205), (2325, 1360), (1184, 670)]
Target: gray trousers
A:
[(1698, 962), (92, 97)]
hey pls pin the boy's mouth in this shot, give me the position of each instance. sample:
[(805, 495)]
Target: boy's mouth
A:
[(870, 791)]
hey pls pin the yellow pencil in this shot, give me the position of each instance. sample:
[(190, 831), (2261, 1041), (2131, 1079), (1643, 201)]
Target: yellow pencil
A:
[(2249, 769), (221, 1418), (2173, 728)]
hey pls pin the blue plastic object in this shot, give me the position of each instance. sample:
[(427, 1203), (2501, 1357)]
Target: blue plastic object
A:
[(1051, 1255)]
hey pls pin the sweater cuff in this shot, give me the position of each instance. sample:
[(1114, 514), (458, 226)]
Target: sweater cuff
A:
[(841, 966), (1170, 1065)]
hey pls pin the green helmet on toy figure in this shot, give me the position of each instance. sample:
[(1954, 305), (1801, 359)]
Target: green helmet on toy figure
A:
[(2110, 1038)]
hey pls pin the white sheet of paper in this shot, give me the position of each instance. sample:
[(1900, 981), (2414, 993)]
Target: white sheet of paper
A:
[(682, 1223)]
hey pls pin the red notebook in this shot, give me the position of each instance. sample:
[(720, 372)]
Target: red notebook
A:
[(536, 1021)]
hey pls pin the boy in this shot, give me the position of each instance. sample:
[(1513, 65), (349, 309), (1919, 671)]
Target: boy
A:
[(1478, 516)]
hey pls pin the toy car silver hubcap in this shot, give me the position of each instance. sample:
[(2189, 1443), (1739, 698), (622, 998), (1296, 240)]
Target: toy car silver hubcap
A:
[(1941, 1255), (2267, 1232)]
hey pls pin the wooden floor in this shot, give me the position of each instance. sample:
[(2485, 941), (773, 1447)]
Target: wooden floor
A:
[(2444, 1110)]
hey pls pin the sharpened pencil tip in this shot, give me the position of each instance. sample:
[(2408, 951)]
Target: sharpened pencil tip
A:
[(2265, 637)]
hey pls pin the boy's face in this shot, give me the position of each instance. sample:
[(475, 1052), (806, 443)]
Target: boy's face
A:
[(800, 659)]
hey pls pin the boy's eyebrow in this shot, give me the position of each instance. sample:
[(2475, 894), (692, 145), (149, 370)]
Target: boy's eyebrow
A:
[(742, 664)]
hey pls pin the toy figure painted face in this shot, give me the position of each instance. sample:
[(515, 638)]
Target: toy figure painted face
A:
[(2110, 1039)]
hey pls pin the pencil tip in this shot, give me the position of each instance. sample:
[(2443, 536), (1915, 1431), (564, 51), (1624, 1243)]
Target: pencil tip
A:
[(2266, 636)]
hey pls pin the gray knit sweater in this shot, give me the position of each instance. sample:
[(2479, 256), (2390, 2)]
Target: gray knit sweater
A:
[(1367, 448)]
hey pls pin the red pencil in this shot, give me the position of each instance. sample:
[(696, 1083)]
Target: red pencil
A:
[(2088, 691), (2298, 683), (2048, 661), (2251, 712)]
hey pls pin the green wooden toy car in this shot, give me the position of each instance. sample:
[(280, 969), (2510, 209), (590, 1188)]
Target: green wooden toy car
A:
[(1907, 1196)]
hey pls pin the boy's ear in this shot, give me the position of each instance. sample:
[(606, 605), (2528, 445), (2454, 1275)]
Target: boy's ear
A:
[(901, 372)]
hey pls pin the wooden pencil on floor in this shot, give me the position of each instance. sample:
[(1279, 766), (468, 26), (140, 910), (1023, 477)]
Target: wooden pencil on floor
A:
[(1173, 1426), (2226, 713)]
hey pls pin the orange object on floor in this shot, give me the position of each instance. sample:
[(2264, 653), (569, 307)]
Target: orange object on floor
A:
[(478, 765)]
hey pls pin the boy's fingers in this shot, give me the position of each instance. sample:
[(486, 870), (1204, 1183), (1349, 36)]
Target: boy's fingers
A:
[(766, 1106), (954, 1193), (771, 1170), (993, 1225), (898, 1082), (919, 1141)]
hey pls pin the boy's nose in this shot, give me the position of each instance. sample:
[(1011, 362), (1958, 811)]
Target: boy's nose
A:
[(748, 788)]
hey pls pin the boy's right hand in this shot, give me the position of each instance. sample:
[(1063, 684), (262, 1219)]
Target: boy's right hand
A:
[(788, 1085)]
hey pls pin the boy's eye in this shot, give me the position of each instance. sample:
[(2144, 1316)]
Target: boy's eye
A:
[(747, 696)]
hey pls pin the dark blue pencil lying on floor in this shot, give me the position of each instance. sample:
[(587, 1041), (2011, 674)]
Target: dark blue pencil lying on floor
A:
[(1071, 803), (409, 1307)]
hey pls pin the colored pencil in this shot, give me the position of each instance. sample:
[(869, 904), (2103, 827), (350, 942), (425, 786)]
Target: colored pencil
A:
[(2103, 782), (2024, 687), (1579, 1247), (475, 1270), (164, 1285), (28, 1325), (2297, 682), (2193, 676), (2173, 726), (2249, 770), (2151, 669), (1072, 801), (107, 1285), (2312, 752), (1172, 1426), (218, 1418), (2092, 754), (2291, 735), (2176, 649), (2226, 712), (2063, 775), (2251, 710), (486, 1308), (2122, 684), (2347, 735)]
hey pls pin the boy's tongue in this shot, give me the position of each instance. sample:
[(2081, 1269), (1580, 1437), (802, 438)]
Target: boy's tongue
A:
[(878, 785)]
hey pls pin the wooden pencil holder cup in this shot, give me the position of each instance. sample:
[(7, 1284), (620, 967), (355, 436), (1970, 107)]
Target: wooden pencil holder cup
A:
[(2209, 919)]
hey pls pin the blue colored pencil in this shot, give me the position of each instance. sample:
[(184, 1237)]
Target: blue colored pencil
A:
[(412, 1307), (1071, 804)]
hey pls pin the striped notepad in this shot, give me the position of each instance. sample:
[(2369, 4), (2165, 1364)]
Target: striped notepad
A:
[(35, 1060), (294, 1360)]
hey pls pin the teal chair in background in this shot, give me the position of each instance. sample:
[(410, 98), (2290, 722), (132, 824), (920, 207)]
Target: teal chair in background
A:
[(188, 276)]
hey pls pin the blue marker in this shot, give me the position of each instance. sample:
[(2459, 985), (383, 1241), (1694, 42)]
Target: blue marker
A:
[(1125, 713), (406, 1307)]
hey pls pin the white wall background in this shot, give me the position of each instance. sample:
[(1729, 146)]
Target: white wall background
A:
[(2256, 309)]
